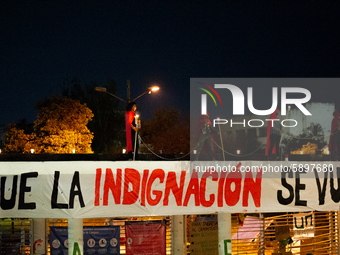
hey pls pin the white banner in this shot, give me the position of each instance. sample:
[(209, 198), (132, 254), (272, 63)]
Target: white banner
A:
[(140, 188)]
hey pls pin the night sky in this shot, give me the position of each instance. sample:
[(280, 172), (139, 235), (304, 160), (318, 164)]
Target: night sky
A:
[(44, 42)]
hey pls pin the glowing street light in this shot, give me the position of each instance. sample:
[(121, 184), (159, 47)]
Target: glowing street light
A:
[(149, 91), (154, 88)]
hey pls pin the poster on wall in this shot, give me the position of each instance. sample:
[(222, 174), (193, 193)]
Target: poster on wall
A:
[(145, 237), (58, 240), (203, 236), (303, 225), (97, 240)]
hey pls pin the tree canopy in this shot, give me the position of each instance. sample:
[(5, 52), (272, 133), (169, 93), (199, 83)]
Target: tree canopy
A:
[(17, 140), (61, 127), (165, 132), (108, 124), (312, 134)]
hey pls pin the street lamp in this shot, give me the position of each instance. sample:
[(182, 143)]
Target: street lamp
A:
[(149, 91), (102, 89)]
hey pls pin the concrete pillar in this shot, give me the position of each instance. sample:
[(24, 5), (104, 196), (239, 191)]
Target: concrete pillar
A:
[(178, 235), (75, 237), (39, 237), (224, 233)]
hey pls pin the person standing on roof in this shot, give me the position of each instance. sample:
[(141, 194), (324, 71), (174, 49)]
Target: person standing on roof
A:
[(131, 130), (334, 139), (274, 132)]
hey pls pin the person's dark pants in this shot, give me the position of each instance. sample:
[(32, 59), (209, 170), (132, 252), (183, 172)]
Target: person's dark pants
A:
[(274, 140), (335, 144), (133, 137), (205, 138)]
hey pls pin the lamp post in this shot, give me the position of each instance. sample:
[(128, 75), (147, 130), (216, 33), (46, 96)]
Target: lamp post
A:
[(149, 91), (102, 89)]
